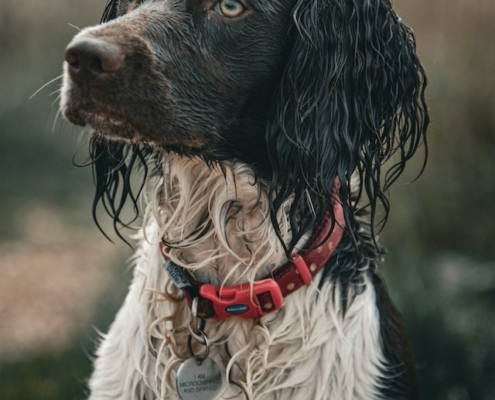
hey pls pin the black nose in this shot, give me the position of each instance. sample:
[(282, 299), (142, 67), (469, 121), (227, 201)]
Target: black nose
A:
[(93, 60)]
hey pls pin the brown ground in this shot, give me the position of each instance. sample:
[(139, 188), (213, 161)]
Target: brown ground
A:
[(49, 282)]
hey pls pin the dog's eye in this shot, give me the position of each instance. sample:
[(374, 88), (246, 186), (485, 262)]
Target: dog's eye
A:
[(230, 8)]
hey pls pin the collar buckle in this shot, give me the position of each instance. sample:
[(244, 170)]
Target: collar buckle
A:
[(244, 300)]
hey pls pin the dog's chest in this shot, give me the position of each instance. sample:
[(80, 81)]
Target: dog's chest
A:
[(216, 222), (216, 225), (308, 350)]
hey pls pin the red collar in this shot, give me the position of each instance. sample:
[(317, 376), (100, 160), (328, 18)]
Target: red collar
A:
[(253, 300)]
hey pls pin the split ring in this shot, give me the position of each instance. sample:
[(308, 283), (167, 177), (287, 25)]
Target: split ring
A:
[(205, 342)]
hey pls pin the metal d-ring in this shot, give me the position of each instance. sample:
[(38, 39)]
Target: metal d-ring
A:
[(205, 342), (198, 332), (199, 336)]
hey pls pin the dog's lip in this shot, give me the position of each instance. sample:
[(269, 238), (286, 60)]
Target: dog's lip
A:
[(108, 122), (86, 111), (114, 124), (96, 116), (106, 114)]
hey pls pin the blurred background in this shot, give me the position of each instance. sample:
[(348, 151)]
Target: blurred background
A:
[(61, 281)]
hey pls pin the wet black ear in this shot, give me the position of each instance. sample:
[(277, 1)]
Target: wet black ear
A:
[(112, 163), (351, 96)]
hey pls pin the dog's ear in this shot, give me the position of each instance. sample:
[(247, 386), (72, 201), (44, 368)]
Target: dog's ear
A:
[(112, 163), (110, 11), (351, 96)]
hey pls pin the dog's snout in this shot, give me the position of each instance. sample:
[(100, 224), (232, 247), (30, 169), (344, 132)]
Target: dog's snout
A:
[(92, 60)]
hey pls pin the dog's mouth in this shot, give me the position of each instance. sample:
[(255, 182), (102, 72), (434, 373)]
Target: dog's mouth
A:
[(114, 125), (108, 122)]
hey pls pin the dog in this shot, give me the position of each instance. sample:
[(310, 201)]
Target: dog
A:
[(267, 134)]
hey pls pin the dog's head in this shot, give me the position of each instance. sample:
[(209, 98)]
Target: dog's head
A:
[(196, 77), (303, 90)]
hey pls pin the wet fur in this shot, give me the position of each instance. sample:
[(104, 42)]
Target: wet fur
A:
[(241, 127)]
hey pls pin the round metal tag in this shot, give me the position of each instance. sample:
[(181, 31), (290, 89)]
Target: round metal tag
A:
[(200, 380)]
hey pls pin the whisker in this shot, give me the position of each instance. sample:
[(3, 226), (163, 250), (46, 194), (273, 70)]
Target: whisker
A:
[(56, 119), (45, 85), (55, 91), (74, 26), (54, 101), (84, 138)]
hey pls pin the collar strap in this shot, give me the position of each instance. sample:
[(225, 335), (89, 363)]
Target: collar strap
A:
[(254, 300)]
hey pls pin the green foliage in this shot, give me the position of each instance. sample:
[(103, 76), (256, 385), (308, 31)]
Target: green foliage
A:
[(47, 376)]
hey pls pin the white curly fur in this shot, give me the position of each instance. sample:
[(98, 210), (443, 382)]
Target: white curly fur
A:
[(219, 219)]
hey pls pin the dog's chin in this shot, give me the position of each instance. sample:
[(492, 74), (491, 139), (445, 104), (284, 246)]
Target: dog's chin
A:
[(116, 127), (110, 125)]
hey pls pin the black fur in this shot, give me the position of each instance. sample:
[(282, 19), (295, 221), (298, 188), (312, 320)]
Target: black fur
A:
[(350, 96)]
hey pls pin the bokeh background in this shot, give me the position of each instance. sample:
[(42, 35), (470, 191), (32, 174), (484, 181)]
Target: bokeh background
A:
[(61, 281)]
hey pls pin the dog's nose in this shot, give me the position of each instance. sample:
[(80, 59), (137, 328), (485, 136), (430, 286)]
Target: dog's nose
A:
[(93, 60)]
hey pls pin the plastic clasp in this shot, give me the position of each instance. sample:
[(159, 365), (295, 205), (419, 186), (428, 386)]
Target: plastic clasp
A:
[(242, 300)]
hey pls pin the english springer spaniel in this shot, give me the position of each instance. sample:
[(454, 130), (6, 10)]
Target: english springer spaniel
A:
[(268, 133)]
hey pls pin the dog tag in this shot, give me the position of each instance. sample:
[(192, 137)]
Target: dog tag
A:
[(177, 275), (200, 380)]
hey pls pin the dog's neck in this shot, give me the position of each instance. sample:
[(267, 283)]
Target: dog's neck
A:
[(215, 219), (216, 222)]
